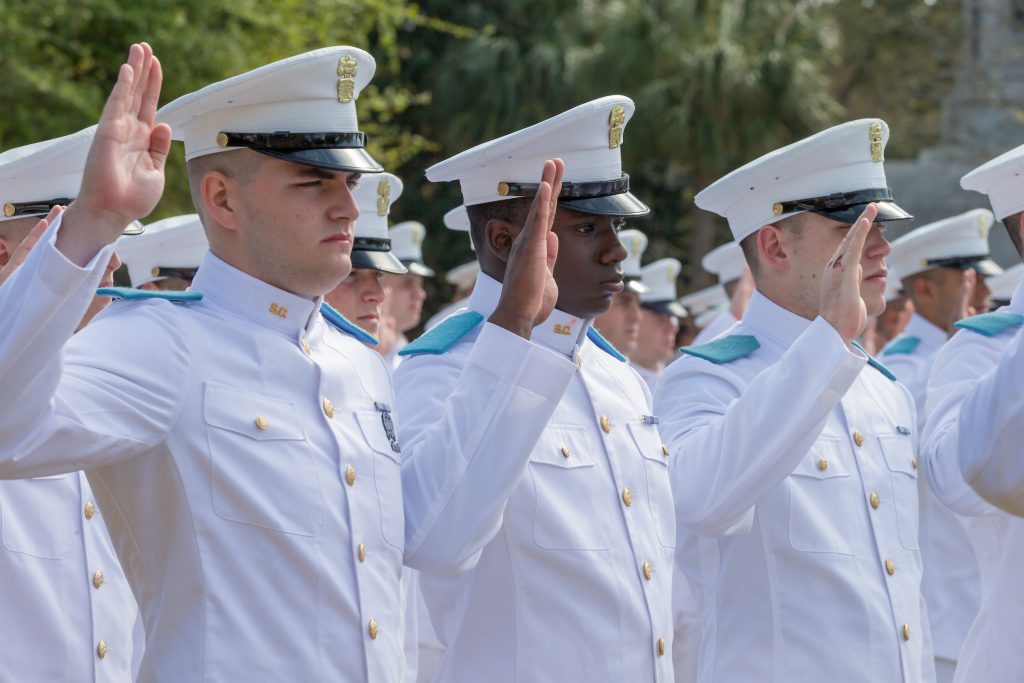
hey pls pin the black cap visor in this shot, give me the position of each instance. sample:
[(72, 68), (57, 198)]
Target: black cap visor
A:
[(635, 285), (625, 204), (982, 264), (846, 207), (417, 268), (669, 307), (351, 159), (375, 254)]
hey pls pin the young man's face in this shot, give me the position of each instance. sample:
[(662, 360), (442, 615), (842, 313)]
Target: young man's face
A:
[(405, 299), (587, 270), (620, 324), (657, 340), (359, 298), (296, 225)]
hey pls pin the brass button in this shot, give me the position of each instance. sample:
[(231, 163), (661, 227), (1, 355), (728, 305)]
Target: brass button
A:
[(97, 579), (661, 647), (890, 567), (362, 552), (627, 497), (306, 348), (858, 438), (372, 630), (350, 475), (606, 424), (261, 422), (579, 359), (913, 463), (90, 510), (664, 450), (906, 631), (328, 408), (648, 571), (822, 464), (875, 501), (565, 451), (101, 649)]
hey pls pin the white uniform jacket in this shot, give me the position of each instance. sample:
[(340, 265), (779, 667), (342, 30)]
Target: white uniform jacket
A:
[(239, 452), (951, 583), (67, 614), (537, 502), (972, 445), (795, 486)]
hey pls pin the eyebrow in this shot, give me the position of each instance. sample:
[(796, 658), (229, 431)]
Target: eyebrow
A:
[(315, 172)]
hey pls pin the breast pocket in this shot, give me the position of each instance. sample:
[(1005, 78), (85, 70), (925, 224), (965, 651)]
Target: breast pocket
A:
[(659, 489), (263, 472), (573, 499), (825, 502), (38, 517), (387, 476), (898, 451)]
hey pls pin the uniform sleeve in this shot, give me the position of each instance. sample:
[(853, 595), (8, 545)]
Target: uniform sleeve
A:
[(71, 403), (975, 425), (468, 424), (733, 442)]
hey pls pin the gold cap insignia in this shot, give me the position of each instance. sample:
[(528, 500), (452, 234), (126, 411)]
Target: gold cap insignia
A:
[(875, 136), (416, 239), (982, 227), (347, 67), (222, 139), (616, 120), (9, 210), (383, 197), (155, 271), (777, 209), (503, 189), (636, 246)]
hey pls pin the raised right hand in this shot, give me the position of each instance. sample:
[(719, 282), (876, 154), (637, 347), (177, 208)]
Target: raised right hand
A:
[(124, 173), (841, 304), (529, 292)]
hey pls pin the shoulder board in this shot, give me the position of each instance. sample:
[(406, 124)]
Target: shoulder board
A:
[(603, 344), (342, 323), (904, 346), (991, 324), (130, 293), (444, 335), (724, 349), (875, 364)]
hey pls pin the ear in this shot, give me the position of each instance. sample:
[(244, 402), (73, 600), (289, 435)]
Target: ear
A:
[(218, 194), (773, 248), (1020, 229), (6, 250), (499, 236)]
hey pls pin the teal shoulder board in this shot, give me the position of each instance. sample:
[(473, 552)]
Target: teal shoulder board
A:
[(991, 324), (875, 364), (904, 346), (724, 349), (444, 335), (130, 293), (332, 316), (604, 344)]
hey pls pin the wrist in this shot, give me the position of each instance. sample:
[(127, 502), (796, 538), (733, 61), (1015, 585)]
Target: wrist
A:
[(513, 324), (77, 237)]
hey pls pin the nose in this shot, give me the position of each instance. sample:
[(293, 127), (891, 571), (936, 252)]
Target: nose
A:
[(374, 292), (877, 246), (344, 208), (614, 252)]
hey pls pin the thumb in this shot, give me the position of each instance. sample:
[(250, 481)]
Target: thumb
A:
[(159, 145), (552, 254)]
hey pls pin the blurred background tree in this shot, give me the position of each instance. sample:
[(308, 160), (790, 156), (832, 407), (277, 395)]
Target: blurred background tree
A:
[(716, 82)]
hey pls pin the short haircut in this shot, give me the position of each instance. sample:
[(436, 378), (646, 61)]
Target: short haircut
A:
[(1012, 224), (240, 164), (512, 211), (749, 243)]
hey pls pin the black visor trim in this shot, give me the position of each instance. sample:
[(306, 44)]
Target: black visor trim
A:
[(38, 208), (601, 188), (286, 140), (846, 207)]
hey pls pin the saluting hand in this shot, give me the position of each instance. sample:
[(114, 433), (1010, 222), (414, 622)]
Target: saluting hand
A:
[(529, 292), (963, 309), (841, 303), (124, 173)]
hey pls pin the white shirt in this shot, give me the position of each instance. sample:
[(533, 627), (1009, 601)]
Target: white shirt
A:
[(260, 525), (972, 445), (952, 582), (783, 549), (65, 599), (544, 540)]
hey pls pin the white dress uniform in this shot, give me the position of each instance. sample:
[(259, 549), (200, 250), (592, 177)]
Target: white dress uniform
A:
[(67, 613), (570, 528), (794, 474), (659, 281)]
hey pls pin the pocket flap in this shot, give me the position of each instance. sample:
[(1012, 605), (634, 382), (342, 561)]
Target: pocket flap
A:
[(259, 417), (565, 446), (648, 442), (824, 461), (898, 451)]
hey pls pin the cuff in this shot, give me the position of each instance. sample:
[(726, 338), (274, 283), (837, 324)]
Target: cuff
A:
[(60, 275), (522, 362)]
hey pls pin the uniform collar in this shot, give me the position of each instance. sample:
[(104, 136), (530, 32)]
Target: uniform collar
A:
[(253, 299), (931, 336), (561, 332), (1017, 300), (767, 318)]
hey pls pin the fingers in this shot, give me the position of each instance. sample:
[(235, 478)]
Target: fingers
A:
[(160, 145), (151, 97), (852, 246), (22, 251), (556, 187), (141, 68)]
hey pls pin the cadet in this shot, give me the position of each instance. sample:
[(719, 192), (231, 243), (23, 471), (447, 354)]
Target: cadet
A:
[(1004, 284), (243, 439), (728, 263), (620, 324), (538, 507), (404, 302), (659, 320), (166, 256), (941, 264), (794, 472), (66, 610), (972, 445)]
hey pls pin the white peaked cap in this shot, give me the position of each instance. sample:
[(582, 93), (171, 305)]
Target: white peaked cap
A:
[(1002, 179), (704, 300), (407, 246), (458, 220), (176, 243), (588, 138), (295, 104), (635, 243), (726, 261), (704, 319), (843, 159), (1005, 284), (957, 242), (660, 279), (463, 277), (374, 195)]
